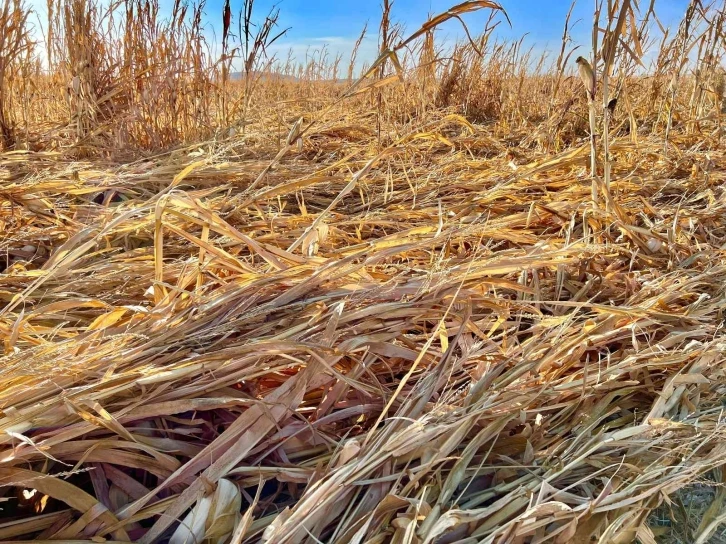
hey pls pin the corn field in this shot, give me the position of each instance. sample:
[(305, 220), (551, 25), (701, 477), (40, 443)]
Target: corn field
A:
[(450, 295)]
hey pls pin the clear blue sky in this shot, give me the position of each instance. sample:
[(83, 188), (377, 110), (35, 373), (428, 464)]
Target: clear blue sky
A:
[(337, 23), (542, 19)]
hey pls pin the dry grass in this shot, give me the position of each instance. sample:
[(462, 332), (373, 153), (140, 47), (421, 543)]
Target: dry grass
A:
[(678, 520), (399, 319)]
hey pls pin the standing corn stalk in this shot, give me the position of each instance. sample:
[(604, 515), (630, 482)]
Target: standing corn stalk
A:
[(14, 42), (621, 23), (354, 54), (587, 74), (561, 62), (684, 45), (255, 39), (226, 58), (615, 32), (384, 46)]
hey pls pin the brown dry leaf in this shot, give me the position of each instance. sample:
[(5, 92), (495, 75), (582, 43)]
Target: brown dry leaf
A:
[(350, 450), (107, 320)]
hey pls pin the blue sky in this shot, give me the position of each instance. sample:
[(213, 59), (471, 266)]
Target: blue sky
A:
[(338, 23)]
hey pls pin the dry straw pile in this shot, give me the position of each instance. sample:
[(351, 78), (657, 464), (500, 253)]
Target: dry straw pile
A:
[(423, 307)]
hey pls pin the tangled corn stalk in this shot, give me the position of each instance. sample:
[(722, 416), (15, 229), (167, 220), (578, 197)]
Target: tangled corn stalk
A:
[(361, 328)]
